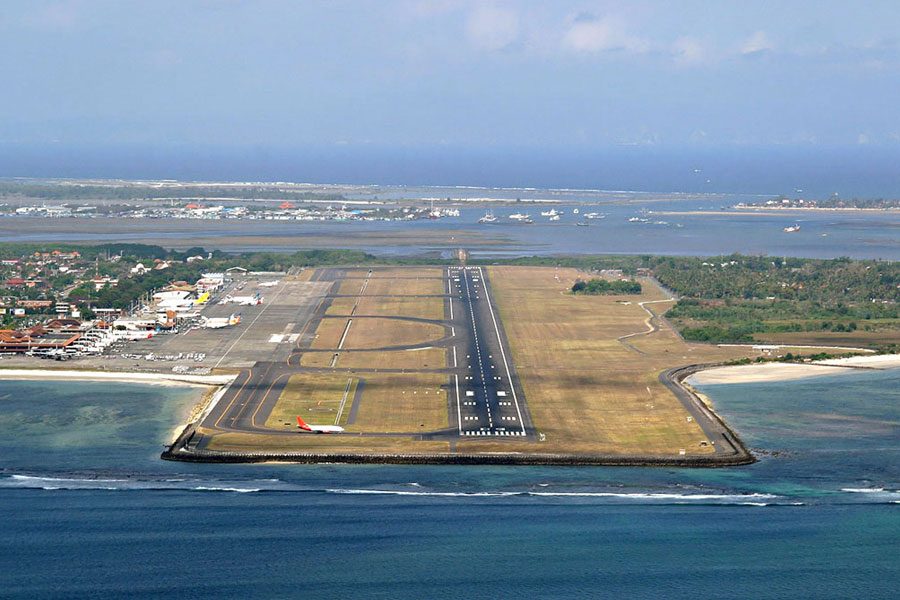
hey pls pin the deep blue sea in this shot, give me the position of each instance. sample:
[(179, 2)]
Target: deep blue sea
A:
[(89, 510)]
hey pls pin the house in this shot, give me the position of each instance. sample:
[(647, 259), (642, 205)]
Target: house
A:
[(101, 282)]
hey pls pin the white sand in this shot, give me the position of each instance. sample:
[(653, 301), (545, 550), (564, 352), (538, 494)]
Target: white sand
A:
[(776, 371), (151, 378), (881, 361)]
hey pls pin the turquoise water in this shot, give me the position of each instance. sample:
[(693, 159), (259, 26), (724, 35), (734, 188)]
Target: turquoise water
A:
[(88, 509)]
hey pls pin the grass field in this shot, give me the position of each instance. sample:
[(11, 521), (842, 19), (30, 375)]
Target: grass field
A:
[(395, 272), (586, 390), (346, 443), (341, 306), (420, 358), (391, 306), (329, 332), (425, 358), (402, 403), (405, 287), (316, 397), (350, 287), (378, 333)]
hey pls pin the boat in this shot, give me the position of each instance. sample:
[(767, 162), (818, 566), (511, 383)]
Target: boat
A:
[(575, 211), (519, 217), (792, 228), (488, 218), (581, 224), (594, 215), (549, 213), (554, 218)]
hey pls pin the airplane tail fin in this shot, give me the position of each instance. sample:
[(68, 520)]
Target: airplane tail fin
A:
[(302, 424)]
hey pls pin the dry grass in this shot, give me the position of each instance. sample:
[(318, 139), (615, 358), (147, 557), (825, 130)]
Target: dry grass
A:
[(329, 332), (343, 443), (586, 391), (350, 287), (316, 359), (378, 333), (402, 403), (424, 358), (341, 306), (382, 306), (405, 287), (314, 396), (395, 272)]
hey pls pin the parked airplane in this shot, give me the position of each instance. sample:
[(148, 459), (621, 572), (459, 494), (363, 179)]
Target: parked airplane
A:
[(317, 428), (242, 300), (218, 323)]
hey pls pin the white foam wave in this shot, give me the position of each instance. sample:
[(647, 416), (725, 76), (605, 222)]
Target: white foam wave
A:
[(169, 484), (649, 496), (661, 496), (203, 488), (863, 490), (410, 493)]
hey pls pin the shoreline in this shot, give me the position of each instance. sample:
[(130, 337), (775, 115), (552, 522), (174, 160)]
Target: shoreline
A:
[(163, 379), (777, 371)]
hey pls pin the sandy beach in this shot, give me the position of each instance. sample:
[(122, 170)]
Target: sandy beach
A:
[(776, 371), (150, 378)]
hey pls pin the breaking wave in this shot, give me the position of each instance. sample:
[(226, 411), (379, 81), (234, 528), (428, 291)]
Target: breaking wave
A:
[(74, 483)]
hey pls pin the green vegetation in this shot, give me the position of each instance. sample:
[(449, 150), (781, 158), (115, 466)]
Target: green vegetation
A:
[(604, 287), (734, 298)]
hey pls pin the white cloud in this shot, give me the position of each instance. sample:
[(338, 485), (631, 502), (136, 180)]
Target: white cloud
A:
[(590, 34), (756, 43), (687, 51), (492, 27)]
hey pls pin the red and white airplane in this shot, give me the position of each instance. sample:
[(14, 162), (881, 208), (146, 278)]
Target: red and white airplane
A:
[(317, 428)]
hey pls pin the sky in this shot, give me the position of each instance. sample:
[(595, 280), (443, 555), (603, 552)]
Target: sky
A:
[(409, 73)]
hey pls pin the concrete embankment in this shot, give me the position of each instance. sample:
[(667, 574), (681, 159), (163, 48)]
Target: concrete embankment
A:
[(208, 456), (727, 443)]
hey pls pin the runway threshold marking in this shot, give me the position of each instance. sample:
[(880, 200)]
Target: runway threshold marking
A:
[(503, 352)]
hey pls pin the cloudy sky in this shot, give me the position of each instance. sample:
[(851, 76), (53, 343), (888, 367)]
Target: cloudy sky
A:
[(421, 73)]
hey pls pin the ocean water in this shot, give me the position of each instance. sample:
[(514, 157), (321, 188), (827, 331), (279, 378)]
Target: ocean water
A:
[(89, 510)]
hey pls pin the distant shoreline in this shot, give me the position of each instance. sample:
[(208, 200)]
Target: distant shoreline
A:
[(817, 209)]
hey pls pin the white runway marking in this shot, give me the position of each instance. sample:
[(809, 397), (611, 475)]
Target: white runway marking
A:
[(503, 354)]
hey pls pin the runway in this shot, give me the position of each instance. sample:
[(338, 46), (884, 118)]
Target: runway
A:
[(488, 401)]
